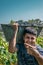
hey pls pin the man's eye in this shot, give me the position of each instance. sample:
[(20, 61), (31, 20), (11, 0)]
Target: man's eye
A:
[(32, 38), (28, 37)]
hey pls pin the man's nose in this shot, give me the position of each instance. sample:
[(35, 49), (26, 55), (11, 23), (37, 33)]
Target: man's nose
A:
[(30, 40)]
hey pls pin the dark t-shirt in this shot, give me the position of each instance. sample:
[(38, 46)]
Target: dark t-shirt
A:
[(24, 58)]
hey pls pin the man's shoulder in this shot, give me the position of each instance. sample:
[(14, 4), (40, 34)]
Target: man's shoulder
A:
[(40, 49), (19, 45)]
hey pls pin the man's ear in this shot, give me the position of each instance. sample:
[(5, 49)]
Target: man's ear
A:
[(36, 40)]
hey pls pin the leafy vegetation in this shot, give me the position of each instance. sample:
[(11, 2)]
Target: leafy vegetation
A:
[(6, 58), (40, 41)]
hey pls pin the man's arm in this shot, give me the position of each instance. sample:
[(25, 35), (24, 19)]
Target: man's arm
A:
[(12, 44), (33, 51), (37, 55), (39, 59)]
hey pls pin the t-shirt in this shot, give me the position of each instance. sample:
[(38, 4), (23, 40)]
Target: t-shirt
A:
[(24, 58)]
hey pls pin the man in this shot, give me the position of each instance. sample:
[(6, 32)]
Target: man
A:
[(28, 52)]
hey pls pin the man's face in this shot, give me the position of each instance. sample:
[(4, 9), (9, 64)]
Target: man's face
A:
[(29, 39)]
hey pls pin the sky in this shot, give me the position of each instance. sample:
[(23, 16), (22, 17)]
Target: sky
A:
[(20, 10)]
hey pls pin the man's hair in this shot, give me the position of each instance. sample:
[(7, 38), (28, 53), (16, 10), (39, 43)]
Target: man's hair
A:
[(30, 31)]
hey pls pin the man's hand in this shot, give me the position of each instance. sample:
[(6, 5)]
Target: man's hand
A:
[(32, 50), (15, 26)]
